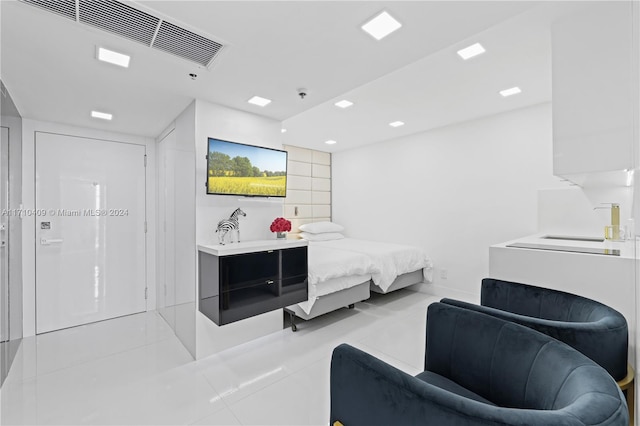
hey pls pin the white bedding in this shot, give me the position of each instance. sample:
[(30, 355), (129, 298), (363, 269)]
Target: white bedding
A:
[(333, 270), (391, 260)]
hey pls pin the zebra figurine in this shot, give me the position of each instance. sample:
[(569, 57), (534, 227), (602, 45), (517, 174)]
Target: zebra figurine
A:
[(231, 224)]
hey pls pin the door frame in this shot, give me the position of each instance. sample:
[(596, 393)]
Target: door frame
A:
[(131, 192), (30, 130)]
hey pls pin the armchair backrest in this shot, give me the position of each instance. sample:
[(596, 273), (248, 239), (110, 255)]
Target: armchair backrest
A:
[(544, 303), (596, 330), (515, 366)]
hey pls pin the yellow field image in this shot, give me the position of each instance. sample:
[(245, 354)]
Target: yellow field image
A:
[(270, 186)]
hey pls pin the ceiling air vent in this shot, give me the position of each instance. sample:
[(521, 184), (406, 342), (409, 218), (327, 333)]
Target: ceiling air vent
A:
[(66, 8), (133, 24), (180, 42), (118, 18)]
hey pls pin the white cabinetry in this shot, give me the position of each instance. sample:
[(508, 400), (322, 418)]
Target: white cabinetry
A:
[(608, 279), (593, 91)]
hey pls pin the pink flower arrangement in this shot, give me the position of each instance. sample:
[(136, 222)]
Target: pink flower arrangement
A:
[(280, 224)]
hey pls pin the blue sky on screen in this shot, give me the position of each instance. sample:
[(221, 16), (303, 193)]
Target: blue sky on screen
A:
[(262, 158)]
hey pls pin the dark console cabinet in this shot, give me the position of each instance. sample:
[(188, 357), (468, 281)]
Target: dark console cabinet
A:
[(238, 286)]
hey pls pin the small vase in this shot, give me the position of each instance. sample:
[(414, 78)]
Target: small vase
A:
[(281, 235)]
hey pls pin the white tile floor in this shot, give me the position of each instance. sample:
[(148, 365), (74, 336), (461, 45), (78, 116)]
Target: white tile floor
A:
[(133, 370)]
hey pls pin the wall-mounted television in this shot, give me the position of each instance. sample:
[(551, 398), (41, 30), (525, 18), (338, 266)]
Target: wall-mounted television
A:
[(238, 169)]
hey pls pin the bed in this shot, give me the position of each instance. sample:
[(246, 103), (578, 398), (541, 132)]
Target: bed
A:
[(336, 279), (343, 271), (398, 265)]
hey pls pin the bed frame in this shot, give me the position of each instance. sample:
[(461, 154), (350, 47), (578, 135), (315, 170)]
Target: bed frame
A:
[(401, 281), (330, 302), (348, 297)]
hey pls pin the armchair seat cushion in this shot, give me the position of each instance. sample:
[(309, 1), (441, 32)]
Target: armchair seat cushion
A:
[(450, 386)]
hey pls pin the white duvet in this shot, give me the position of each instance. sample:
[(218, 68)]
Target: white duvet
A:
[(391, 260), (333, 270)]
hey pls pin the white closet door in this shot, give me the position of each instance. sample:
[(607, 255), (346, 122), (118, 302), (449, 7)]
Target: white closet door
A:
[(4, 235), (90, 230)]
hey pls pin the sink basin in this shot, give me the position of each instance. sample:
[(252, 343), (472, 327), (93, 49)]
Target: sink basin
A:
[(570, 238)]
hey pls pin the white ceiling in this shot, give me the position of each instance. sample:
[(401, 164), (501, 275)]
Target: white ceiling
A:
[(272, 49)]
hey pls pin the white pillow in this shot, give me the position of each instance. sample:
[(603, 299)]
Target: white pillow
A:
[(321, 227), (321, 237)]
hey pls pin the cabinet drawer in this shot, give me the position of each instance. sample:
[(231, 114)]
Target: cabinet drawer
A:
[(248, 270), (249, 295)]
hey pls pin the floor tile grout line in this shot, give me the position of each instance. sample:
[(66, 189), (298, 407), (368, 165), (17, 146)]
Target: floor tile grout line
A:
[(292, 372), (229, 404), (224, 406), (297, 372), (302, 362), (85, 362)]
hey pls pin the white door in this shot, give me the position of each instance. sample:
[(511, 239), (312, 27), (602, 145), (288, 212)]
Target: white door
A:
[(4, 234), (90, 230)]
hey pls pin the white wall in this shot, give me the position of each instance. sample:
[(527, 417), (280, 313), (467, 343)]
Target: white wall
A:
[(237, 126), (454, 191), (191, 218), (11, 290), (176, 227), (28, 199), (572, 211)]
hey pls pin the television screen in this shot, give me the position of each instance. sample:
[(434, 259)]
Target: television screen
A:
[(238, 169)]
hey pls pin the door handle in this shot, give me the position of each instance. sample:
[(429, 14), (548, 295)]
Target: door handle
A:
[(46, 242)]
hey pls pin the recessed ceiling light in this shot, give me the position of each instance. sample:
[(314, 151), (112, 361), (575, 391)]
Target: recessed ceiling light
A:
[(396, 124), (343, 103), (102, 115), (331, 142), (257, 100), (112, 57), (471, 51), (510, 92), (283, 130), (381, 26)]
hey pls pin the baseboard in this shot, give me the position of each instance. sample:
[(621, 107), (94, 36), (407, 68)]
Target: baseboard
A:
[(443, 291)]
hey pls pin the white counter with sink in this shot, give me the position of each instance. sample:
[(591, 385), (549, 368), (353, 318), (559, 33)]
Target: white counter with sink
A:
[(598, 246), (608, 277)]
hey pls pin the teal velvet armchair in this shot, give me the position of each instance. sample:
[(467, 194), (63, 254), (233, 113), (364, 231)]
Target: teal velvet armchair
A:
[(479, 370)]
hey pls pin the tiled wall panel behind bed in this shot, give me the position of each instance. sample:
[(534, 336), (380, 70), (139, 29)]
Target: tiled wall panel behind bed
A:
[(308, 187)]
